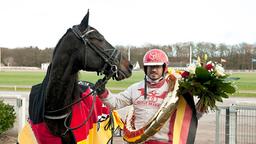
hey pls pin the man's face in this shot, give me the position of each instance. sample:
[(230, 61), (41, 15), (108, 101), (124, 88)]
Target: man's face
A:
[(154, 72)]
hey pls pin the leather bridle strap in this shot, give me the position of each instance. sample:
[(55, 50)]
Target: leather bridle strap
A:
[(111, 60), (78, 34), (68, 128)]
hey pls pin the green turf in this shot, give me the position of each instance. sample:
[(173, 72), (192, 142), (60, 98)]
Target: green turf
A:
[(20, 78), (92, 77), (243, 95), (247, 81)]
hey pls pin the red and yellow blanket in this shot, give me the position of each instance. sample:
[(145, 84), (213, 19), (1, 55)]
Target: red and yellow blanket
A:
[(95, 132)]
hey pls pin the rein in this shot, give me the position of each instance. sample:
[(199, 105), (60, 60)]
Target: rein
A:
[(66, 116), (93, 92)]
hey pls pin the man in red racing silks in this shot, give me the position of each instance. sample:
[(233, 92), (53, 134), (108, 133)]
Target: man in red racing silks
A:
[(146, 98)]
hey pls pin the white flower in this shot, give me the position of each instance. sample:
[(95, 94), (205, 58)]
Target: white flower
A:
[(210, 66), (219, 70), (191, 68), (210, 62)]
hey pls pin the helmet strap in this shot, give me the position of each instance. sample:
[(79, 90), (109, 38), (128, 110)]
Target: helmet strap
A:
[(145, 69), (165, 69), (145, 87)]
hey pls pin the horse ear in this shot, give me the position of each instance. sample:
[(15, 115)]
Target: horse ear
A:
[(84, 23)]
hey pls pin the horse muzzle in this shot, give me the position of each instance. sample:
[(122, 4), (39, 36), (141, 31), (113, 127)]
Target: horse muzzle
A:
[(123, 73)]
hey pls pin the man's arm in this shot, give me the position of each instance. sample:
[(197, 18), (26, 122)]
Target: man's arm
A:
[(115, 101)]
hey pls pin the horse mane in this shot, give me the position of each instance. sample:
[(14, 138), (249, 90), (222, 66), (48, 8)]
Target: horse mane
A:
[(62, 86), (54, 51)]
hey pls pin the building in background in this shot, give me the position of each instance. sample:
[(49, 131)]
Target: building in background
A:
[(44, 66)]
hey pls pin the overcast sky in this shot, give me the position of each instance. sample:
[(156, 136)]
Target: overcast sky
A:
[(129, 22)]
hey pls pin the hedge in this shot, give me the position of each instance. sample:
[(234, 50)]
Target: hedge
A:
[(7, 116)]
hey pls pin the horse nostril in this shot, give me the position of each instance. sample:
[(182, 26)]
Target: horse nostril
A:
[(131, 66)]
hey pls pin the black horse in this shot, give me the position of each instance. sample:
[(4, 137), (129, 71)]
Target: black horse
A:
[(82, 47)]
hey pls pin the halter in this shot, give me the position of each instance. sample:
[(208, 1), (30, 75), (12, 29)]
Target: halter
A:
[(110, 60)]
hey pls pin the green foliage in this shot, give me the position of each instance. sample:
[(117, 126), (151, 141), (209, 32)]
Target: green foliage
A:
[(7, 116), (202, 74)]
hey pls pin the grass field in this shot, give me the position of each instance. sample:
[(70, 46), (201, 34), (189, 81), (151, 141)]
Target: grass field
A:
[(246, 84)]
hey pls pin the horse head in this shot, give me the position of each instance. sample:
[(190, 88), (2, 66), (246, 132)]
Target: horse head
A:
[(95, 53), (82, 47)]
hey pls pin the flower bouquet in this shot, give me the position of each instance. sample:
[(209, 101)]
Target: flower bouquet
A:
[(208, 82)]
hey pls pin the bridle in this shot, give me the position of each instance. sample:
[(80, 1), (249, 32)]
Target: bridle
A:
[(110, 60)]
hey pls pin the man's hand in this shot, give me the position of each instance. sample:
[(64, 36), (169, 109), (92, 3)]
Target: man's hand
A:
[(100, 86)]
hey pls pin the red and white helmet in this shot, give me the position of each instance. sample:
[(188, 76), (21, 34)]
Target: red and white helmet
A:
[(156, 57)]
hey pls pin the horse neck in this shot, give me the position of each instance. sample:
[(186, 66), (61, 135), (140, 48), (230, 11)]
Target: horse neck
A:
[(62, 87)]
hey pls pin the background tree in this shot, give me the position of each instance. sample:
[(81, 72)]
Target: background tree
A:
[(238, 56)]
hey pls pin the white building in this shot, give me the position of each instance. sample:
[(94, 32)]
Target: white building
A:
[(136, 66), (44, 66)]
